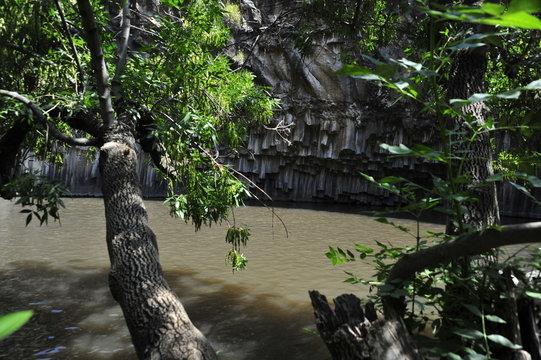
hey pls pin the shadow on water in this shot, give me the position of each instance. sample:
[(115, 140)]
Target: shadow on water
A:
[(76, 318)]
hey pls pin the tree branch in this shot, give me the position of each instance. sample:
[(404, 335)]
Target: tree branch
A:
[(123, 51), (72, 45), (469, 245), (98, 62), (57, 134), (26, 52)]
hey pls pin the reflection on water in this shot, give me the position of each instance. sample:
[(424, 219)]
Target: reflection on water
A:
[(76, 318), (61, 273)]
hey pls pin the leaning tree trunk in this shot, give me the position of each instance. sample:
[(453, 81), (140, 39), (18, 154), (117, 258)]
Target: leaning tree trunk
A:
[(158, 323)]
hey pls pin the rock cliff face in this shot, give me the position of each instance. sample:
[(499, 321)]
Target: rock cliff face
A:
[(332, 125), (327, 130)]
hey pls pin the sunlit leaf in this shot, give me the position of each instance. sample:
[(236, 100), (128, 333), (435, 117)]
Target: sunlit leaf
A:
[(479, 97), (521, 20), (492, 9), (459, 102), (534, 85), (12, 322), (534, 295), (495, 319), (401, 84), (503, 341), (512, 94), (354, 70), (399, 149), (408, 63), (529, 6)]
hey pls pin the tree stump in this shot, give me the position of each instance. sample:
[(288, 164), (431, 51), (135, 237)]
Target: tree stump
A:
[(353, 334)]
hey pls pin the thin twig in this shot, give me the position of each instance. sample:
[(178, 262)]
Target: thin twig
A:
[(72, 45), (123, 51)]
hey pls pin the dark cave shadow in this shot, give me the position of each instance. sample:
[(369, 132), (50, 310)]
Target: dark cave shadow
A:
[(76, 317)]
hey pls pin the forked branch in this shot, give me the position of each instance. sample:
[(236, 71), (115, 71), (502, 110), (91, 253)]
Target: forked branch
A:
[(53, 131)]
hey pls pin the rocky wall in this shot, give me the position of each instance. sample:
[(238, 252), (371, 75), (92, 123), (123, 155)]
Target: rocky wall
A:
[(331, 125), (327, 130)]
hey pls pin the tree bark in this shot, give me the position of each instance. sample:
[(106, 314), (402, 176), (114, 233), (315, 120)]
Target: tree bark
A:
[(159, 325), (351, 334), (466, 78)]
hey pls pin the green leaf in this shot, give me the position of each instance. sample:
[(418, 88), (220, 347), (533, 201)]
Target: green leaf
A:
[(479, 97), (534, 85), (503, 341), (529, 6), (385, 70), (467, 46), (408, 63), (534, 295), (495, 319), (492, 9), (476, 356), (399, 150), (521, 20), (12, 322), (453, 356), (512, 94), (534, 181), (469, 333), (357, 71), (363, 249), (392, 179), (310, 331), (459, 102), (401, 85)]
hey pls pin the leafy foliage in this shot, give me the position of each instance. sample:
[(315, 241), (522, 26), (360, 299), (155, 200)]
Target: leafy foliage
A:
[(200, 109), (237, 236), (422, 78), (189, 103), (40, 198)]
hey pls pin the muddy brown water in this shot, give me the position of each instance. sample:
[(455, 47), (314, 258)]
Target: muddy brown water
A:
[(60, 272)]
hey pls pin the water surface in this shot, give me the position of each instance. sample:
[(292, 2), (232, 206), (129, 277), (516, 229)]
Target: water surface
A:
[(60, 271)]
